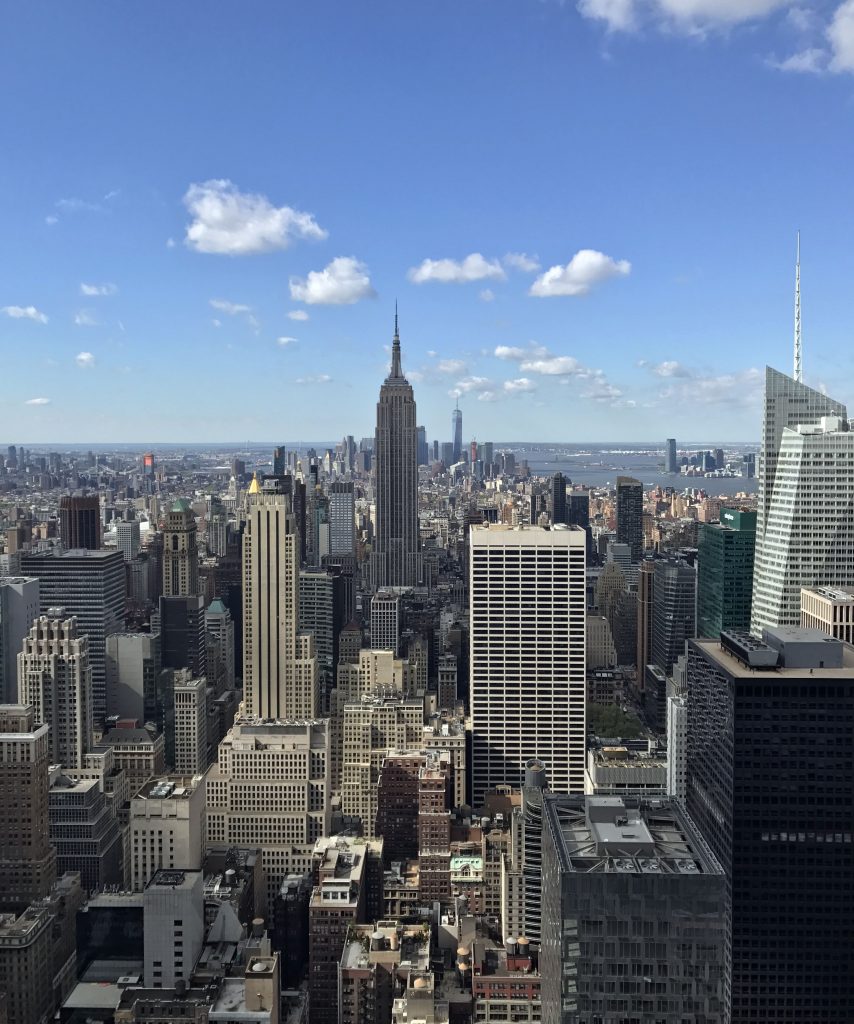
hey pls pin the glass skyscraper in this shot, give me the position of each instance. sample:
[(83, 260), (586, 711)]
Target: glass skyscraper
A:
[(725, 572)]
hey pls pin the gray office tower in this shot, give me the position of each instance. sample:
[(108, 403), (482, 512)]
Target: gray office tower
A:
[(558, 499), (671, 465), (633, 915), (342, 518), (280, 460), (423, 456), (770, 785), (674, 607), (457, 432), (396, 552), (19, 605), (630, 515), (89, 585)]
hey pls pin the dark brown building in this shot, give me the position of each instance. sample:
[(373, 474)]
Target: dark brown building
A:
[(80, 521)]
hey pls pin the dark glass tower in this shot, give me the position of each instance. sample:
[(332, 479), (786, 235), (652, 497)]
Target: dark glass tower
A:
[(558, 488), (673, 610), (80, 522), (457, 432), (725, 572), (395, 556), (770, 786), (630, 515)]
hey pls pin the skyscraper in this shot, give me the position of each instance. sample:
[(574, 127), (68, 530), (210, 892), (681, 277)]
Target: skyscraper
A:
[(558, 499), (54, 676), (671, 465), (342, 518), (395, 555), (89, 585), (181, 553), (280, 456), (127, 538), (770, 787), (80, 521), (674, 601), (527, 655), (19, 605), (630, 515), (457, 432), (279, 664), (805, 532), (725, 572)]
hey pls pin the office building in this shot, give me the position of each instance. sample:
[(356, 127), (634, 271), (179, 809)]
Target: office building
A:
[(725, 572), (19, 606), (423, 455), (559, 512), (26, 966), (174, 914), (132, 667), (673, 610), (280, 674), (80, 521), (219, 637), (646, 611), (342, 518), (180, 621), (341, 898), (189, 696), (90, 586), (270, 786), (782, 522), (527, 655), (386, 621), (321, 613), (84, 831), (771, 789), (677, 743), (127, 538), (180, 551), (397, 541), (280, 461), (27, 859), (671, 461), (808, 539), (140, 753), (167, 827), (633, 911), (456, 433), (829, 609), (630, 515), (372, 728), (521, 874), (55, 678)]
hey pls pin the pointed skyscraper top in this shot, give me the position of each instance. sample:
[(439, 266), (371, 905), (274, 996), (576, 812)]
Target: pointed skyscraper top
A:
[(396, 370), (798, 374)]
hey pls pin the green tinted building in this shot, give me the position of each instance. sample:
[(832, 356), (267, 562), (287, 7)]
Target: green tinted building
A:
[(725, 572)]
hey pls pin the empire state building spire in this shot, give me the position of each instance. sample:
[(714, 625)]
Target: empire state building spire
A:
[(396, 370)]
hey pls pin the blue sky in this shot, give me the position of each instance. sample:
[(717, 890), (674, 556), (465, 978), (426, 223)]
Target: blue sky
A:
[(586, 211)]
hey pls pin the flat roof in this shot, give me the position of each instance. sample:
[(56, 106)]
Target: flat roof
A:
[(738, 670)]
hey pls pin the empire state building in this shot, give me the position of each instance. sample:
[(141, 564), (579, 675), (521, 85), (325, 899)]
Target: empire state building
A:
[(395, 559)]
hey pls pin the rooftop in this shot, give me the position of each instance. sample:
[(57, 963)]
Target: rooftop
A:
[(789, 653), (840, 595), (171, 787)]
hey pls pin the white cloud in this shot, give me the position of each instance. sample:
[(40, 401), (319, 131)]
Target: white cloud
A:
[(170, 243), (488, 396), (585, 270), (708, 13), (75, 205), (37, 401), (521, 384), (451, 366), (232, 308), (553, 366), (515, 353), (840, 35), (85, 319), (342, 282), (537, 359), (618, 15), (285, 341), (810, 61), (24, 313), (474, 267), (98, 289), (522, 261), (670, 368), (297, 314), (85, 360), (321, 378), (601, 391), (487, 295), (216, 323), (50, 220), (229, 222), (467, 385)]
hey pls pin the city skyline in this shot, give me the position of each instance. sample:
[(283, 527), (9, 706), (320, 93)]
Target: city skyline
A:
[(607, 295)]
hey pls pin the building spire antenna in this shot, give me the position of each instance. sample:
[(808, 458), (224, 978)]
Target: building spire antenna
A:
[(396, 370), (798, 339)]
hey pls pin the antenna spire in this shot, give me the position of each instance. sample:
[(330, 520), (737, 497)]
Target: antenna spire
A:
[(396, 370), (798, 339)]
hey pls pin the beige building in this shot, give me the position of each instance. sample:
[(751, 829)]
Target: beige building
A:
[(54, 676), (26, 966), (191, 723), (180, 552), (280, 673), (270, 789), (830, 609), (601, 652), (166, 828), (372, 728)]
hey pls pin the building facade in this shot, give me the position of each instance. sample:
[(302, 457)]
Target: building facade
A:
[(725, 572)]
